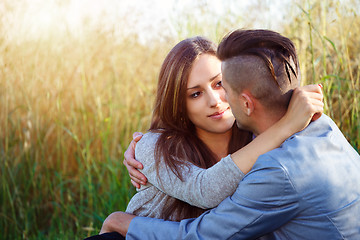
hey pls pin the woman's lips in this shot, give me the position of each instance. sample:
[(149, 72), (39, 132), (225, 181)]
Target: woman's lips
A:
[(218, 115)]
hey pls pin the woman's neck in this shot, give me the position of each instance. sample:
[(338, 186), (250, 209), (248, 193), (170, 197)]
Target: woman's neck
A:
[(218, 143)]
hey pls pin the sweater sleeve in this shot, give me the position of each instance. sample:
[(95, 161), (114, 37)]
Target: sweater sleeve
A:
[(204, 188)]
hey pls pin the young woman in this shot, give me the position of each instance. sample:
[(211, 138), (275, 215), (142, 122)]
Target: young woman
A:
[(193, 128)]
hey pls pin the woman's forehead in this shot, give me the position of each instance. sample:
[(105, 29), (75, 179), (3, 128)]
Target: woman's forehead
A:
[(205, 68)]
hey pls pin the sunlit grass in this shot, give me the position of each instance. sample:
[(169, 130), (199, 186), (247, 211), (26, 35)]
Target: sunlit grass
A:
[(69, 109), (70, 104), (326, 34)]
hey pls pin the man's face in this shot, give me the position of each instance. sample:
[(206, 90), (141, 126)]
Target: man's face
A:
[(233, 99)]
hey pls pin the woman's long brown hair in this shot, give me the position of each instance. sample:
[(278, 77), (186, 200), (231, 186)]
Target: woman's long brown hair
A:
[(178, 143)]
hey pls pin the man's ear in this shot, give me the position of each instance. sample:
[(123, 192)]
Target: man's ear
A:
[(247, 103)]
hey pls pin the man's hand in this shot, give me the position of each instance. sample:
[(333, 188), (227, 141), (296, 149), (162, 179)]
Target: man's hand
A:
[(117, 222), (132, 165)]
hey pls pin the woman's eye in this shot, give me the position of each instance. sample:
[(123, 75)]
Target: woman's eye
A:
[(219, 84), (195, 94)]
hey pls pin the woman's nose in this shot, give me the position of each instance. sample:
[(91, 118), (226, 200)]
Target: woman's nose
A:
[(214, 98)]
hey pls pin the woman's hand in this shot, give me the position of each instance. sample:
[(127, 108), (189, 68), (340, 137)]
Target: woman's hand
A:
[(132, 165), (305, 105)]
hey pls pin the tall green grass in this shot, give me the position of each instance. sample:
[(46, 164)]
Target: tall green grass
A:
[(69, 105), (68, 111), (326, 34)]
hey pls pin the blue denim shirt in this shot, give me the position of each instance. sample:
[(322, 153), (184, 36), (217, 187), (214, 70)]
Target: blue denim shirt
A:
[(308, 188)]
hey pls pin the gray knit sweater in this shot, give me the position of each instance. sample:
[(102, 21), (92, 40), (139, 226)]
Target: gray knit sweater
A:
[(204, 188)]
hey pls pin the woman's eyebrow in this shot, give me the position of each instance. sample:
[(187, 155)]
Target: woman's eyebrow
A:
[(211, 79), (214, 77), (197, 86)]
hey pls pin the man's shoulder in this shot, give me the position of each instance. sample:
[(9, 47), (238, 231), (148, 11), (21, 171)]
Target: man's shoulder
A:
[(323, 127), (320, 134), (305, 146), (321, 148)]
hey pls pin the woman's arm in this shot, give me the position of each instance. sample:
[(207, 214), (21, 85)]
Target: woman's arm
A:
[(204, 188), (305, 105)]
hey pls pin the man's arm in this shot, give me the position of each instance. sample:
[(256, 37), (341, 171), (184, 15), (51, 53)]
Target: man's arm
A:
[(264, 201)]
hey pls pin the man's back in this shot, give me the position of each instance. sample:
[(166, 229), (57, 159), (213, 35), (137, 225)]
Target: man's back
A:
[(306, 189), (324, 172)]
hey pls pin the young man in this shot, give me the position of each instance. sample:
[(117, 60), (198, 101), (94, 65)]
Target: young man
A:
[(308, 188)]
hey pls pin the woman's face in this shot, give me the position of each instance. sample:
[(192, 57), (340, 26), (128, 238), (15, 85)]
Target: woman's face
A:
[(206, 105)]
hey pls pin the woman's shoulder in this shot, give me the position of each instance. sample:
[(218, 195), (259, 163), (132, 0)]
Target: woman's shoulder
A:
[(148, 138), (146, 145)]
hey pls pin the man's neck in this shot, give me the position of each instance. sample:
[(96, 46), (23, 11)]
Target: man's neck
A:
[(264, 121)]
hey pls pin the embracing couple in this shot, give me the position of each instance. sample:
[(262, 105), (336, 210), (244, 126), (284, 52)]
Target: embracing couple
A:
[(282, 170)]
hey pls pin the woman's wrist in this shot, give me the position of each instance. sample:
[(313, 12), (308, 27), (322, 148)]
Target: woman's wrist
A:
[(284, 128)]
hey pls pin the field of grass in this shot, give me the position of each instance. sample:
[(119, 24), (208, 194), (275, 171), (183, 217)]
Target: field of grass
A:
[(69, 106)]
